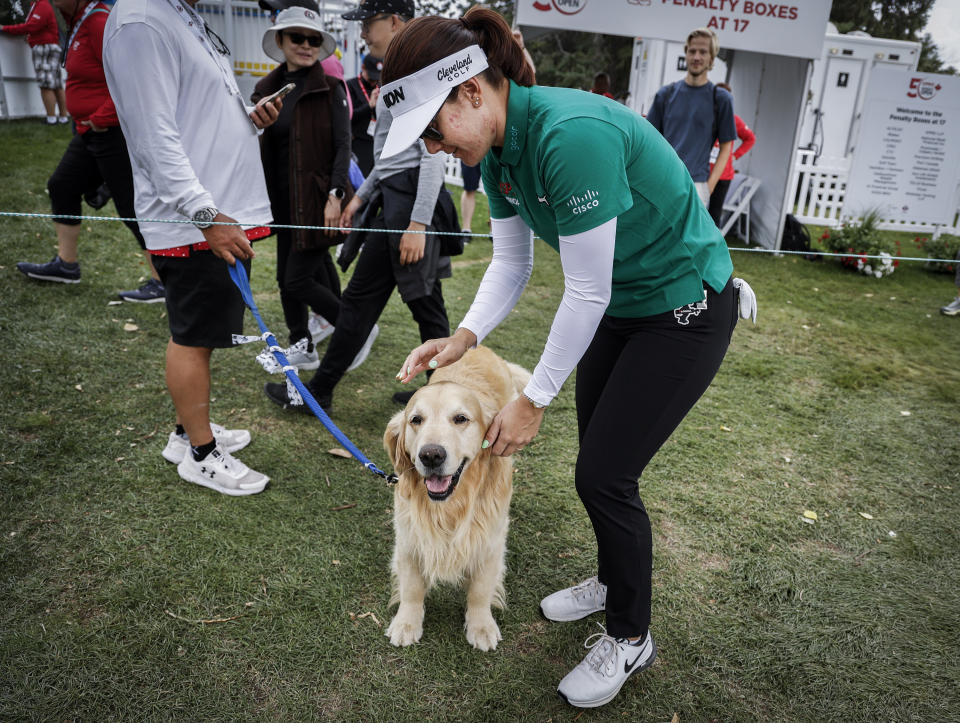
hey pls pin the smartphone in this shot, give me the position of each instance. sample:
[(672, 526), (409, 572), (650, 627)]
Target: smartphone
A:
[(279, 94)]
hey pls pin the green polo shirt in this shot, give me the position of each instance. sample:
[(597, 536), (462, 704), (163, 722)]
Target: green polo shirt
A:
[(572, 161)]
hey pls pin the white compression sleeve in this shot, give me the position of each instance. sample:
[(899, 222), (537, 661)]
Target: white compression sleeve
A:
[(505, 277), (587, 260)]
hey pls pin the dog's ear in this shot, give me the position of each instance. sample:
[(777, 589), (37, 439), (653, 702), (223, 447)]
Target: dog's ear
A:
[(393, 440)]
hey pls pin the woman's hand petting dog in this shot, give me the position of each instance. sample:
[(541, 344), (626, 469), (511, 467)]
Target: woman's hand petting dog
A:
[(514, 427)]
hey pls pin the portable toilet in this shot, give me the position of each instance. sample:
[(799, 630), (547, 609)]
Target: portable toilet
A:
[(831, 114)]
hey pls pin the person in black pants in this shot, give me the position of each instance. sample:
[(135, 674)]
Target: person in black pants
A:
[(96, 154), (306, 157)]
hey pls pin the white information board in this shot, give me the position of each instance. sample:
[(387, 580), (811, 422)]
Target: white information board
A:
[(793, 28), (906, 163)]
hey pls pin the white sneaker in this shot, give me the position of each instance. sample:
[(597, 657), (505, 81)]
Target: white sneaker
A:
[(232, 440), (296, 354), (223, 473), (364, 352), (576, 602), (599, 676), (319, 328)]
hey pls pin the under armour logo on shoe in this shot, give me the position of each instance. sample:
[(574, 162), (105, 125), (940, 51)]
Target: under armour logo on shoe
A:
[(210, 472), (684, 313)]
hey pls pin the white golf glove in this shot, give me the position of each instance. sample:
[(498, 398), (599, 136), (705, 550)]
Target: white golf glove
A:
[(748, 300)]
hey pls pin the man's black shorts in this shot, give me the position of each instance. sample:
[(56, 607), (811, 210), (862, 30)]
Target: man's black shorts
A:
[(471, 176), (204, 306)]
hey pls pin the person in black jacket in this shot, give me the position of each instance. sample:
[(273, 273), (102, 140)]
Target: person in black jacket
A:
[(364, 91), (306, 158)]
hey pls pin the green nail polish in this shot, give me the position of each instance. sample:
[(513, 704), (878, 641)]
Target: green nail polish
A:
[(485, 444), (433, 363)]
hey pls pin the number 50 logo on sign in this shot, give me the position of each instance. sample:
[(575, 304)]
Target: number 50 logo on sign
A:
[(922, 88)]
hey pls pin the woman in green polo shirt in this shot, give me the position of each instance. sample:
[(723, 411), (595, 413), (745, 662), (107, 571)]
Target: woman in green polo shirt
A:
[(648, 306)]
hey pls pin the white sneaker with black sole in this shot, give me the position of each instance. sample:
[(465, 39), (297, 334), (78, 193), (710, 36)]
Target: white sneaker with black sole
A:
[(221, 472), (232, 440), (599, 676), (573, 603)]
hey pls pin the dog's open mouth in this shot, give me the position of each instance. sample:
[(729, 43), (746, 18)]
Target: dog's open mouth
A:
[(439, 488)]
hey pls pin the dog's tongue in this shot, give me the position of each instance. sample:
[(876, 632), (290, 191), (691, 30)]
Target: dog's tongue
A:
[(437, 484)]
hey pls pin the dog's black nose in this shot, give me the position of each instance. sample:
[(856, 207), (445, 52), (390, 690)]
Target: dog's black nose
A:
[(433, 455)]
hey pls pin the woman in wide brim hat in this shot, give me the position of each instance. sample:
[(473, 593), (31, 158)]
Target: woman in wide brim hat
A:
[(648, 306), (306, 161)]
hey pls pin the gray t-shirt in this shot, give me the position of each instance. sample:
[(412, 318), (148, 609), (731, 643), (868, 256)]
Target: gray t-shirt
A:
[(686, 116)]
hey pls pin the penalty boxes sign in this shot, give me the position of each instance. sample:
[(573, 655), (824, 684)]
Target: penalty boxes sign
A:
[(793, 28)]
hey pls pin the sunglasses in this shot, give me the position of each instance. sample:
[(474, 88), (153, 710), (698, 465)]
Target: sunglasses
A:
[(365, 24), (315, 41), (430, 133)]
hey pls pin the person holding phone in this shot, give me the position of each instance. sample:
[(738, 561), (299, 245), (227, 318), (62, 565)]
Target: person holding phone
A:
[(306, 160), (648, 305)]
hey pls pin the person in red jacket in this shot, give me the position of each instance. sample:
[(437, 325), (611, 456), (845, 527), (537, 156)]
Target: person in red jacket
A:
[(747, 139), (96, 154), (43, 37)]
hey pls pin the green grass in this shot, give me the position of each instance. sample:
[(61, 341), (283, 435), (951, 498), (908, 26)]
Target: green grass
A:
[(106, 555)]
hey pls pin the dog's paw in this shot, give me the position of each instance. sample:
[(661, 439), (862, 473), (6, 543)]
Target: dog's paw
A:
[(482, 630), (405, 630)]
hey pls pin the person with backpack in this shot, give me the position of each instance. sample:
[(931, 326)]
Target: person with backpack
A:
[(692, 113)]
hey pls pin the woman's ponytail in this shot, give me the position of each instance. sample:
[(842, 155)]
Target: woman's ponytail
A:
[(425, 40)]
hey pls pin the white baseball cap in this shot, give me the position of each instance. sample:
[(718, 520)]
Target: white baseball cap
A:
[(296, 17), (414, 100)]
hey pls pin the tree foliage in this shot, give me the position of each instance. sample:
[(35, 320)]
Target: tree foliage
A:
[(895, 19)]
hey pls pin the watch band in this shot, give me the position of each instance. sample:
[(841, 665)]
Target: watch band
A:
[(203, 219)]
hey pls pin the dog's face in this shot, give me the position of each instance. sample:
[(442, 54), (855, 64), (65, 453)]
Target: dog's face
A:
[(439, 434)]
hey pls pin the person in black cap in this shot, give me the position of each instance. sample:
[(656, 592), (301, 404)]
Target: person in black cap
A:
[(364, 92)]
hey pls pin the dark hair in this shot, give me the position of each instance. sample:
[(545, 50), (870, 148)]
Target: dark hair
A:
[(425, 40), (725, 87), (601, 83)]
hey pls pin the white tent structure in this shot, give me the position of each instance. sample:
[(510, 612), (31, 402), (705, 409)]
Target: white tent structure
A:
[(772, 48), (19, 94)]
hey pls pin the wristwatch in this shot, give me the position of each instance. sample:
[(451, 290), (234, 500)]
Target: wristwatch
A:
[(536, 405), (203, 218), (337, 193)]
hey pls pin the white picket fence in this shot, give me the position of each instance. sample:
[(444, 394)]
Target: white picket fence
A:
[(817, 190)]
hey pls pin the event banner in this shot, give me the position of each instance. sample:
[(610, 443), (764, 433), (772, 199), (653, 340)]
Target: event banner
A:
[(906, 163), (794, 28)]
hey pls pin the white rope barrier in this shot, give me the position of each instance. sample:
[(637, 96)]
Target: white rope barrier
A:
[(347, 229)]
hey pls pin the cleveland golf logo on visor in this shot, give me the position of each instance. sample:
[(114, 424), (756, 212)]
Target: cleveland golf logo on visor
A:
[(415, 99)]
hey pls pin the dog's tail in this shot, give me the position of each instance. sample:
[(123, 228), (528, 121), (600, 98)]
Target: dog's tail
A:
[(519, 375)]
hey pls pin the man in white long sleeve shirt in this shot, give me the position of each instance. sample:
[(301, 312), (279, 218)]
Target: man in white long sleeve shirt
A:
[(196, 164)]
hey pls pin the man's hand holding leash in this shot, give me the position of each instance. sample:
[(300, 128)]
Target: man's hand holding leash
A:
[(228, 242)]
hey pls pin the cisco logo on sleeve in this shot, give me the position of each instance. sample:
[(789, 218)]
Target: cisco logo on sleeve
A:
[(583, 203)]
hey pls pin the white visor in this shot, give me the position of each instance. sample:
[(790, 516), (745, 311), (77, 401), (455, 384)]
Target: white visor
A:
[(414, 100)]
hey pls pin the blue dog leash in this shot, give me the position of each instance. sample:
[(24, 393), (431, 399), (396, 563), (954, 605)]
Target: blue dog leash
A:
[(239, 275)]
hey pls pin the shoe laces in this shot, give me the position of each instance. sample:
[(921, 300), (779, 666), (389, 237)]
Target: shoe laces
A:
[(587, 587), (604, 652)]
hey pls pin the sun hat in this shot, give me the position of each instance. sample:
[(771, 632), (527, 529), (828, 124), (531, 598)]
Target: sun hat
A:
[(369, 8), (296, 17), (414, 100), (278, 5)]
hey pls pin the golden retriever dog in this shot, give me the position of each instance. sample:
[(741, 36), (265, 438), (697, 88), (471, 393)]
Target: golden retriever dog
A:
[(450, 506)]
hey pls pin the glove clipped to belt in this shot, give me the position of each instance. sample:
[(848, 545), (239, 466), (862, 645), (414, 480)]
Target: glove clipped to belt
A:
[(746, 299)]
